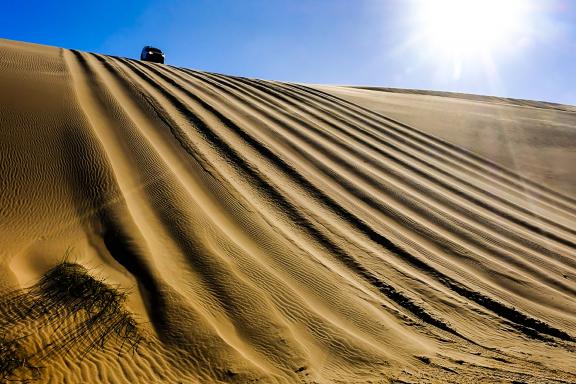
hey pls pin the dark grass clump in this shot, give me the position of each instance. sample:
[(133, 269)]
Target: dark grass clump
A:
[(14, 358), (76, 309), (68, 288)]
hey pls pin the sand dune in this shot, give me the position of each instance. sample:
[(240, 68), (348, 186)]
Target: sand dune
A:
[(164, 225)]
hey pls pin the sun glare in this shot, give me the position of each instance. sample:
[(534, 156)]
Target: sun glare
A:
[(465, 27)]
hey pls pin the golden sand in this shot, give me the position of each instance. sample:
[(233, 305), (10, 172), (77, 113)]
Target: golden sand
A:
[(265, 232)]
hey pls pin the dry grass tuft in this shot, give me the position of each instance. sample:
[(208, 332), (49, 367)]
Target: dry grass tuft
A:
[(75, 309), (14, 358)]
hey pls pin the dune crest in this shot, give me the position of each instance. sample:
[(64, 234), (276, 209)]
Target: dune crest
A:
[(258, 231)]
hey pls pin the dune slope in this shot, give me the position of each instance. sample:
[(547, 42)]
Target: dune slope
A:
[(165, 225)]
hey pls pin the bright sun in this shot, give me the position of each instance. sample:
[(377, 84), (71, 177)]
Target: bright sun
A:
[(469, 27)]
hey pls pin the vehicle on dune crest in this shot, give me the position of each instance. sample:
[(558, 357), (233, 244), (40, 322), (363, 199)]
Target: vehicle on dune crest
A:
[(152, 54)]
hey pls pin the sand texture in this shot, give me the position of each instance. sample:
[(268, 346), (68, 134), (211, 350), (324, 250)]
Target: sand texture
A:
[(164, 225)]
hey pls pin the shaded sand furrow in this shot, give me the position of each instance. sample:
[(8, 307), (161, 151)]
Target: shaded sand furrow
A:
[(117, 242), (294, 213), (267, 96), (175, 127), (500, 309), (276, 123), (382, 187), (453, 166), (398, 143), (120, 248), (248, 231), (542, 276), (219, 285), (470, 159), (536, 289), (416, 164)]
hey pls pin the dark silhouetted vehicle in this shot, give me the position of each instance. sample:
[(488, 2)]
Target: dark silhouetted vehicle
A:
[(152, 54)]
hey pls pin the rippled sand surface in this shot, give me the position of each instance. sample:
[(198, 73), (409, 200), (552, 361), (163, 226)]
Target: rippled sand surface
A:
[(165, 225)]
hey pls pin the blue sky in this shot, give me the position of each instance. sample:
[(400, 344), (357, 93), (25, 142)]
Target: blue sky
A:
[(356, 42)]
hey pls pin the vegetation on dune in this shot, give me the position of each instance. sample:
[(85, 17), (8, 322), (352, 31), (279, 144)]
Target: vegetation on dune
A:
[(12, 358), (96, 308), (75, 310)]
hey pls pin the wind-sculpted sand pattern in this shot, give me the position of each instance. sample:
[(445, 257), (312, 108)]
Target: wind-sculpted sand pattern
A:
[(80, 311), (164, 225)]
